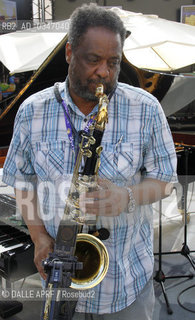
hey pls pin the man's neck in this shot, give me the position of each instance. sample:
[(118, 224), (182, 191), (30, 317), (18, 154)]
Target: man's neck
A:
[(84, 106)]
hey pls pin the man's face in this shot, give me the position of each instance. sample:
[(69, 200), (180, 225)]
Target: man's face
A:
[(96, 60)]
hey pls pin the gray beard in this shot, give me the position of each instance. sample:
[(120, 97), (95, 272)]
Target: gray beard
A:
[(83, 91)]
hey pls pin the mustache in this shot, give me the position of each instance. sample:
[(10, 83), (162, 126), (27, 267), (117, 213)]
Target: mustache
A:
[(98, 81), (108, 87)]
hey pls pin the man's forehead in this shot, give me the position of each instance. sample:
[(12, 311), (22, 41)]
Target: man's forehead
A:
[(98, 36), (99, 29)]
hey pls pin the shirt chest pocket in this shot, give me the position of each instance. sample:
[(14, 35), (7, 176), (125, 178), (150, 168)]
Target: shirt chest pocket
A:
[(49, 159), (118, 162)]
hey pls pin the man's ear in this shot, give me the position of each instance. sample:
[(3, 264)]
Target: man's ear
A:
[(68, 52)]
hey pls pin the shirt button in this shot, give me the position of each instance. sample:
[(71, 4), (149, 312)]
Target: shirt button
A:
[(85, 119)]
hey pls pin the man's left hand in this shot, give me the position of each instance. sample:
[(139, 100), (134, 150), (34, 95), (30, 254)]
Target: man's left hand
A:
[(108, 200)]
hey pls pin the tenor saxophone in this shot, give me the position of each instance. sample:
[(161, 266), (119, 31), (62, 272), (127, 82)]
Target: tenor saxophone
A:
[(89, 249)]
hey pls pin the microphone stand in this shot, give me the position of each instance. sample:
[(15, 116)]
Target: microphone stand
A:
[(185, 251)]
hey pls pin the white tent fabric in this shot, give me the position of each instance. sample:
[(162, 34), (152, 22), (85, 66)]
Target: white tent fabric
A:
[(157, 44), (154, 44), (26, 51)]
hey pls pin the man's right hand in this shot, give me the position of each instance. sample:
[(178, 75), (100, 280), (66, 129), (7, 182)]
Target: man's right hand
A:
[(44, 244)]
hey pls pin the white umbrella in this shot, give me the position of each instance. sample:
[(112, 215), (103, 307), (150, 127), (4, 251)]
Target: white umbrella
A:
[(157, 44)]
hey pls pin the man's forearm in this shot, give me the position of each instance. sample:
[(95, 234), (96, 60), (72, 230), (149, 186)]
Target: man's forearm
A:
[(150, 191), (28, 206)]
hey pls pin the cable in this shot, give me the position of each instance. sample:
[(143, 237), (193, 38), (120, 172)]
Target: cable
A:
[(179, 302)]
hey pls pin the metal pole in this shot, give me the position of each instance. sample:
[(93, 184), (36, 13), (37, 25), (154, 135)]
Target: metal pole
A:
[(43, 11)]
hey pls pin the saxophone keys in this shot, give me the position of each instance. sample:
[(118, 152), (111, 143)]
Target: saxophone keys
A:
[(99, 150), (92, 140), (87, 153), (102, 233)]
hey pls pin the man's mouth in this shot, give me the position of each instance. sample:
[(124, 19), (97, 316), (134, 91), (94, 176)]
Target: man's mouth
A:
[(94, 83)]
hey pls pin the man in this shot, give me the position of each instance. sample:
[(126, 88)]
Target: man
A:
[(137, 164)]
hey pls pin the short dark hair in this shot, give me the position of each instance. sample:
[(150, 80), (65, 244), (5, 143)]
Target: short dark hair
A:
[(92, 15)]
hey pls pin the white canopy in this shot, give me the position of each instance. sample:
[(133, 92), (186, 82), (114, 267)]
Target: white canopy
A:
[(154, 44), (26, 51), (157, 44)]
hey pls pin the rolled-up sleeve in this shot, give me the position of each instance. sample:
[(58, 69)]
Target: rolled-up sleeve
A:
[(18, 171), (160, 159)]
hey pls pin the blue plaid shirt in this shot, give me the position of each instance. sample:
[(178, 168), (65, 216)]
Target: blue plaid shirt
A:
[(137, 142)]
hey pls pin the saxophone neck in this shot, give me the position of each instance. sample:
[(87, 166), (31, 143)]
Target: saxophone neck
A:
[(102, 115)]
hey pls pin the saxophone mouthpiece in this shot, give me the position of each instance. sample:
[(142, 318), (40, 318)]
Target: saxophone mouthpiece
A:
[(99, 90)]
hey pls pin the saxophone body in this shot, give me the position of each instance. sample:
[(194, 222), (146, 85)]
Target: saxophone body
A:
[(89, 249)]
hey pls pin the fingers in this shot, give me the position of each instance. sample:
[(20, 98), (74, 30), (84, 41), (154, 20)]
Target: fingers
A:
[(43, 246), (107, 202), (101, 208), (38, 262), (95, 195), (104, 183)]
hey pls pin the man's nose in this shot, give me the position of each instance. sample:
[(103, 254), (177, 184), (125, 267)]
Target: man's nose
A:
[(103, 70)]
